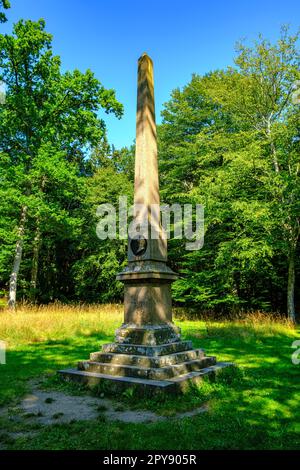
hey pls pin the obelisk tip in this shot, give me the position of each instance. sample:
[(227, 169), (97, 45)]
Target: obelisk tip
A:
[(145, 56)]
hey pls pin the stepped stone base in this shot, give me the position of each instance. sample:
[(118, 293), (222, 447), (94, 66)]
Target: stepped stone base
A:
[(146, 350), (148, 334), (161, 362), (144, 386)]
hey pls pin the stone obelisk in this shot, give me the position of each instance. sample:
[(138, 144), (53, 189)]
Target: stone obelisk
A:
[(148, 352), (147, 278)]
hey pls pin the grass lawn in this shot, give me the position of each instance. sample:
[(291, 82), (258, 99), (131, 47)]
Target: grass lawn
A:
[(256, 406)]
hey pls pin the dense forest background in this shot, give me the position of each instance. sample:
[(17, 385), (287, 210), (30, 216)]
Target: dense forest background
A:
[(229, 140)]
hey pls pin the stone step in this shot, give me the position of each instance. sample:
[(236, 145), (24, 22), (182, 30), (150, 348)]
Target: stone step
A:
[(94, 378), (148, 335), (145, 386), (210, 370), (152, 351), (146, 361), (161, 373)]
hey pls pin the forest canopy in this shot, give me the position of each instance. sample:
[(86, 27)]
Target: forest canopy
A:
[(229, 139)]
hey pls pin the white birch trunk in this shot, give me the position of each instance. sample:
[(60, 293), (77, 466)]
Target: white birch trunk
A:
[(17, 261), (291, 287), (35, 261)]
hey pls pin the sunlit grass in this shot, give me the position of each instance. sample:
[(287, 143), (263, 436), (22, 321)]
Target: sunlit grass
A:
[(258, 408), (37, 324)]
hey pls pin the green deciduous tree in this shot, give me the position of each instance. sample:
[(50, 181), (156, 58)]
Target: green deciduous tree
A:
[(5, 4), (230, 140), (99, 261), (48, 125)]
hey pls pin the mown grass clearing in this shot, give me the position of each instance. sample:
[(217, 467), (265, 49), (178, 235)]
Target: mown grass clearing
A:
[(254, 407)]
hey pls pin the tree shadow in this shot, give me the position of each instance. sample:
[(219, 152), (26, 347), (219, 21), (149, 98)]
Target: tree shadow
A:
[(269, 390), (44, 358)]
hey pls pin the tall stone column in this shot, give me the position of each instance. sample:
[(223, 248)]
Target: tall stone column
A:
[(147, 279), (146, 184)]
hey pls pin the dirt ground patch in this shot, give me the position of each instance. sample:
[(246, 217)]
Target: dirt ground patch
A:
[(50, 407), (47, 407)]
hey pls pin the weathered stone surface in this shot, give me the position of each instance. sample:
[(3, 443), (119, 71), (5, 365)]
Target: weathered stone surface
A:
[(147, 278), (146, 182), (160, 373), (117, 383), (150, 335), (147, 302), (144, 386), (146, 270), (146, 361), (184, 380), (142, 350)]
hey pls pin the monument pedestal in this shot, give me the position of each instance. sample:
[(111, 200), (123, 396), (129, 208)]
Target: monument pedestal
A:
[(148, 353), (169, 367)]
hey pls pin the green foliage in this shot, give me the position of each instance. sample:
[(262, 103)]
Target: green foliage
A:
[(5, 4), (48, 125), (229, 141), (95, 272)]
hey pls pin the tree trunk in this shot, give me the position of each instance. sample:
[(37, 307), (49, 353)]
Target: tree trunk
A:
[(275, 161), (291, 286), (36, 250), (17, 261), (272, 146), (35, 261)]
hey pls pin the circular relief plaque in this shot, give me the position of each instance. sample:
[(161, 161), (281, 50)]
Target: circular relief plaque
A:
[(138, 246)]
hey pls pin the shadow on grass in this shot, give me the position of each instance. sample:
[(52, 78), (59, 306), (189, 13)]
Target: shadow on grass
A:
[(36, 359), (269, 391), (258, 410)]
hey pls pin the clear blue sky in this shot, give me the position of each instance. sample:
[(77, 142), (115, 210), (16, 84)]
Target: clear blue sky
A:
[(182, 37)]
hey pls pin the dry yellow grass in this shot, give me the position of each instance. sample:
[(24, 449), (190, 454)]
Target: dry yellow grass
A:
[(254, 323), (31, 323)]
